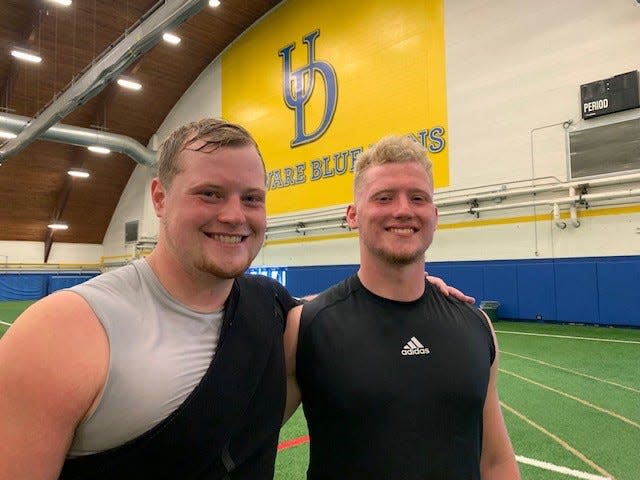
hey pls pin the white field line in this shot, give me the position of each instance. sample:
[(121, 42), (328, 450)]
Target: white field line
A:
[(559, 469), (5, 323), (560, 441), (575, 372), (577, 399), (635, 342)]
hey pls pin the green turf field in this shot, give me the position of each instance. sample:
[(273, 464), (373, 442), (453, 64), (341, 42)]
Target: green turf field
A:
[(9, 311), (570, 396)]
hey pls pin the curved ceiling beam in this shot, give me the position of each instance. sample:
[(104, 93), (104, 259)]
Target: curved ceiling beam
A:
[(84, 137), (164, 16)]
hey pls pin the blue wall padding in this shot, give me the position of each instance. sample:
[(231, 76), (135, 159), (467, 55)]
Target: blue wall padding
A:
[(303, 281), (22, 286), (501, 281), (619, 291), (35, 285), (577, 292), (58, 282), (596, 290), (536, 290)]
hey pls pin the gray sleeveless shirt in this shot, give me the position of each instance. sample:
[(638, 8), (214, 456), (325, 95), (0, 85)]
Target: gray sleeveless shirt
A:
[(159, 351)]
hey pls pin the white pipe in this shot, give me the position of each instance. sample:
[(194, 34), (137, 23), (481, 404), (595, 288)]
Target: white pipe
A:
[(556, 217), (538, 189), (574, 216)]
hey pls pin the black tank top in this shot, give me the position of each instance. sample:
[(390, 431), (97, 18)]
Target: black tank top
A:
[(393, 390)]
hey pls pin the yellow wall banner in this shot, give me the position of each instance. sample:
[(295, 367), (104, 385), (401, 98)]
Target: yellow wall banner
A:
[(316, 82)]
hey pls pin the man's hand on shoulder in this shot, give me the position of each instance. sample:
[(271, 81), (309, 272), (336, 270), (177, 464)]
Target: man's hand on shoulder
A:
[(447, 290)]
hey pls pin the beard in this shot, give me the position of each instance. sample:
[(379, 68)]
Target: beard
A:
[(399, 258), (206, 265)]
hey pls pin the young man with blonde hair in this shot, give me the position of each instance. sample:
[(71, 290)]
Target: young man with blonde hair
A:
[(396, 380)]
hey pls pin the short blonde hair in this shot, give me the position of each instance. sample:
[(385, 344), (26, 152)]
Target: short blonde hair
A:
[(391, 149), (214, 131)]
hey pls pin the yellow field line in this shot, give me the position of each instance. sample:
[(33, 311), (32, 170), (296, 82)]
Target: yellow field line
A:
[(560, 441), (575, 372), (579, 400)]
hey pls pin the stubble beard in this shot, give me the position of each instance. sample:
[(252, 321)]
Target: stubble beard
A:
[(398, 258), (207, 266)]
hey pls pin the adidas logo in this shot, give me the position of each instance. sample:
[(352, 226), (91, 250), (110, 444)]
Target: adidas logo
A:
[(414, 347)]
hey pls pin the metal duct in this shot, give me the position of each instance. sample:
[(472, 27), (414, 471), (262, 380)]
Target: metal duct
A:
[(84, 137), (165, 15)]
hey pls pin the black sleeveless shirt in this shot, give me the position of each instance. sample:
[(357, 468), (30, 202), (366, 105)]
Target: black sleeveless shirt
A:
[(393, 390)]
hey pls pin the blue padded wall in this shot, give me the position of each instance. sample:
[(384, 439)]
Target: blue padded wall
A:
[(303, 281), (577, 291), (536, 290), (619, 291), (596, 290), (35, 285)]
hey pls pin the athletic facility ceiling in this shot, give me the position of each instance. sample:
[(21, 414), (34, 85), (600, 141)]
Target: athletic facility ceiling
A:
[(35, 188)]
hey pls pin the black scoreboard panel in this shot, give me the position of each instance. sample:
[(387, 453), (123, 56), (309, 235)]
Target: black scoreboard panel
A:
[(610, 95)]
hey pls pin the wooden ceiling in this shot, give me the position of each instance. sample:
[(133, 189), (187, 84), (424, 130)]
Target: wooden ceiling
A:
[(34, 185)]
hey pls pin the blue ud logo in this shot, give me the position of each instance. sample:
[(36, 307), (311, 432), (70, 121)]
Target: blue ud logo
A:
[(298, 87)]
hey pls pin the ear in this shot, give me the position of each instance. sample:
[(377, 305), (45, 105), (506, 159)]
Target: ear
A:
[(158, 196), (352, 217)]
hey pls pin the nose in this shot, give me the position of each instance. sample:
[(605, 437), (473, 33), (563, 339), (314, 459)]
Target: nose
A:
[(232, 211), (403, 208)]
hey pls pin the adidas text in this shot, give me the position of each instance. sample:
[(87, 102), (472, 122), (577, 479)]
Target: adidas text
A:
[(415, 351)]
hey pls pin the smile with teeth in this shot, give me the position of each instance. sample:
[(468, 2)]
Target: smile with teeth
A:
[(401, 230), (225, 238)]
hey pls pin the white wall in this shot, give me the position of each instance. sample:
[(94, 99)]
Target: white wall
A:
[(61, 253)]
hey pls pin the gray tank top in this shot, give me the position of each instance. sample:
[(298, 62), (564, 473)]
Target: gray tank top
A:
[(159, 351)]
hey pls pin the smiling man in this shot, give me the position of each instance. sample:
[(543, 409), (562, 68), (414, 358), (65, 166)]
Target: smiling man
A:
[(396, 380), (172, 366)]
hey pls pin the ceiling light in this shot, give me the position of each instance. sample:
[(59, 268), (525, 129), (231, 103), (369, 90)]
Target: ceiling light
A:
[(214, 3), (98, 149), (5, 134), (58, 226), (76, 172), (65, 3), (171, 38), (27, 56), (130, 84)]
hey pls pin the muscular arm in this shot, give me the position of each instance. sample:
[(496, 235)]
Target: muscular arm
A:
[(497, 461), (54, 362), (290, 349)]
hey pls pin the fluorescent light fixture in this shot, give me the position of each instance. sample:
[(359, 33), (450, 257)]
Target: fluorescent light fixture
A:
[(171, 38), (5, 134), (58, 226), (65, 3), (27, 56), (76, 172), (130, 84), (214, 3), (98, 149)]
